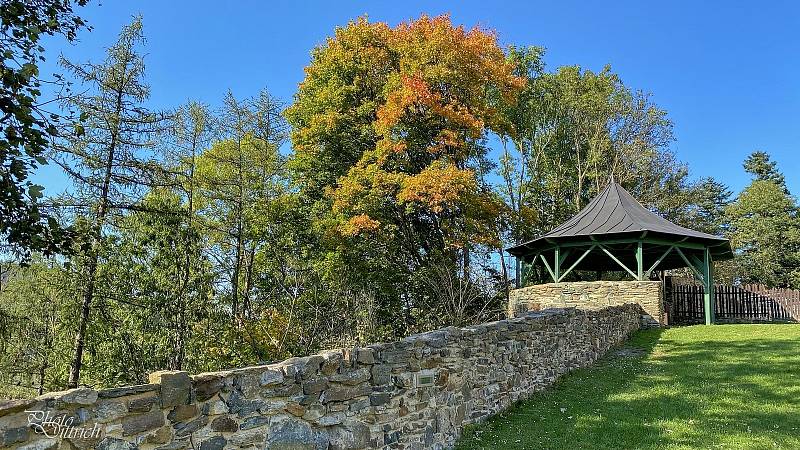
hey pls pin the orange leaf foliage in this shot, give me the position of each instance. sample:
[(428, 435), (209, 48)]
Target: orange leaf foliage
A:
[(359, 224), (389, 120), (437, 187)]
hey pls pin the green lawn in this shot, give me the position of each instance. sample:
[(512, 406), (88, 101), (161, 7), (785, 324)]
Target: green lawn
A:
[(719, 386)]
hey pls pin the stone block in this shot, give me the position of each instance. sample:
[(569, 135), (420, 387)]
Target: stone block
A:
[(109, 410), (290, 434), (331, 419), (185, 429), (254, 422), (350, 435), (215, 443), (352, 377), (381, 375), (8, 407), (331, 363), (142, 422), (214, 408), (181, 413), (380, 398), (315, 385), (12, 436), (142, 404), (206, 386), (79, 396), (271, 378), (295, 409), (366, 356), (224, 424), (342, 393), (110, 443), (238, 404), (127, 391), (176, 387), (160, 436)]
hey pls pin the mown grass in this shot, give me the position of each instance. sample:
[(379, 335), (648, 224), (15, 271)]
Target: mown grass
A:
[(719, 386)]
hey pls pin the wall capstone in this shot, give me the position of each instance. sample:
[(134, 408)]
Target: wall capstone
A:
[(416, 393)]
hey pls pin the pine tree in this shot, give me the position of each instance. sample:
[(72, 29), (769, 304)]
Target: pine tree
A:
[(106, 157)]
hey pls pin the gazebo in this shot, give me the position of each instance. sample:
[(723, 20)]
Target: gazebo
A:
[(615, 232)]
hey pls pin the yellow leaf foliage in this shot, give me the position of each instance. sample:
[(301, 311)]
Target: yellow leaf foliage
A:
[(359, 224), (437, 187)]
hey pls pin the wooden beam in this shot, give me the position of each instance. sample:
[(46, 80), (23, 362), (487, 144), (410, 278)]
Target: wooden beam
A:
[(557, 264), (654, 241), (689, 264), (639, 261), (547, 266), (527, 268), (618, 262), (577, 262), (565, 254), (658, 261)]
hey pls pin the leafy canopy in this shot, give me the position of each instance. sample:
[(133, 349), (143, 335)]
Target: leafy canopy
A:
[(27, 127)]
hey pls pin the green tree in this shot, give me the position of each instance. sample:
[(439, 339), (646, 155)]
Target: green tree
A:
[(36, 306), (575, 130), (765, 228), (760, 165), (239, 179), (28, 126), (105, 155), (155, 309)]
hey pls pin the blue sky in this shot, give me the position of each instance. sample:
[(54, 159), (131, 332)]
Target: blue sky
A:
[(727, 72)]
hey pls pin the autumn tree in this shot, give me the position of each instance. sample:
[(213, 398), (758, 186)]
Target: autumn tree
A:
[(389, 130)]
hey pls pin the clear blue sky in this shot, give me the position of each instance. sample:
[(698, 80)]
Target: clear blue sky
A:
[(727, 73)]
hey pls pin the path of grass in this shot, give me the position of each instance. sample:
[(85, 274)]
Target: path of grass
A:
[(719, 386)]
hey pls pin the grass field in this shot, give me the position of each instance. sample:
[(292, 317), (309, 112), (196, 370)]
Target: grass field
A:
[(705, 387)]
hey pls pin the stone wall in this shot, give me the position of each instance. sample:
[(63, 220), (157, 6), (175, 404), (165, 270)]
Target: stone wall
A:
[(412, 394), (591, 295)]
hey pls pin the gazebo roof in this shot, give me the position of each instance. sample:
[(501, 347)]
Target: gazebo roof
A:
[(616, 214)]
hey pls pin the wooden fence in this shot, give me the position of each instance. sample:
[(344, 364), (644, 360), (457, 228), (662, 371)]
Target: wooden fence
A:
[(746, 303)]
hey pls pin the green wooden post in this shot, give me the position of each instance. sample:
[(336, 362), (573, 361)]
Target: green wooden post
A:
[(557, 268), (639, 262), (708, 296)]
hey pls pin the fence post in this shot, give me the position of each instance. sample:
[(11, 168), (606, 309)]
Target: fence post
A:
[(708, 296)]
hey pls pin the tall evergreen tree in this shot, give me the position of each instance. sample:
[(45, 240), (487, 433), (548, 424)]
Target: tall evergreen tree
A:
[(765, 227), (106, 156), (762, 167)]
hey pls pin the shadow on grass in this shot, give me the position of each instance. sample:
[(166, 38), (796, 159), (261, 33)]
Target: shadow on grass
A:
[(731, 386)]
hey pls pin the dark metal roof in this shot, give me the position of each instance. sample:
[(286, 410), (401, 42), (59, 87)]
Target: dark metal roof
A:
[(614, 213)]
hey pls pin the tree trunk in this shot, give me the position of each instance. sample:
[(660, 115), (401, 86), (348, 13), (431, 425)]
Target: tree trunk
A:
[(91, 273)]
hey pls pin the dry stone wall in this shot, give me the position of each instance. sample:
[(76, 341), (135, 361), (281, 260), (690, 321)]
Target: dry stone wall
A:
[(591, 295), (417, 393)]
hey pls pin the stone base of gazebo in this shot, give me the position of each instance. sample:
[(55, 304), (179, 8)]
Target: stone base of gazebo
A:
[(591, 295)]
